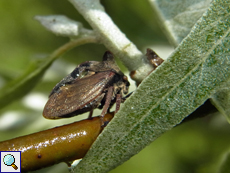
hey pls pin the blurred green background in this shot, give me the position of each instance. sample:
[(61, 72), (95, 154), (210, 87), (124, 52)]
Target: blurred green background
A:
[(195, 146)]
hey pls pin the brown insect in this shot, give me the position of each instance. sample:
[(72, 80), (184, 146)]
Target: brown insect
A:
[(153, 58), (91, 85)]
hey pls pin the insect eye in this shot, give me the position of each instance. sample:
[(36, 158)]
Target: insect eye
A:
[(83, 74), (75, 73)]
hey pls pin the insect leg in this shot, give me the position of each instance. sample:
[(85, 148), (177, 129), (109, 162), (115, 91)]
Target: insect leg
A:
[(118, 102), (127, 96), (107, 101), (90, 114)]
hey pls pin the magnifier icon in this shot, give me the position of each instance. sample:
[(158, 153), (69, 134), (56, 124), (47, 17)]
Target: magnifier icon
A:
[(9, 160)]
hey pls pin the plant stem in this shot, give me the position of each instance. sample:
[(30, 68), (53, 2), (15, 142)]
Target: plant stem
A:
[(73, 43), (111, 36)]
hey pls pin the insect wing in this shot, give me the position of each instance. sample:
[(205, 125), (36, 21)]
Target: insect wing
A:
[(73, 98), (75, 74)]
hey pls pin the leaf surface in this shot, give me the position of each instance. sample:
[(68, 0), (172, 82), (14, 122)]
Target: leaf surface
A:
[(197, 69), (178, 17)]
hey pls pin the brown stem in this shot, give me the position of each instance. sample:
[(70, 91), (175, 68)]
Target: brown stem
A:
[(60, 144)]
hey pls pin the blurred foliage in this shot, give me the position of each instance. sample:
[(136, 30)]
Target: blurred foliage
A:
[(196, 146), (193, 147)]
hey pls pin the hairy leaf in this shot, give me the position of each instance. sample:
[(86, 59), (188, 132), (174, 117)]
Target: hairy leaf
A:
[(221, 99), (197, 69), (177, 19)]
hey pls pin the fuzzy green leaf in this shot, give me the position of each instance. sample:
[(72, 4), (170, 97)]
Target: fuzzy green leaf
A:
[(196, 70), (178, 17), (221, 100)]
